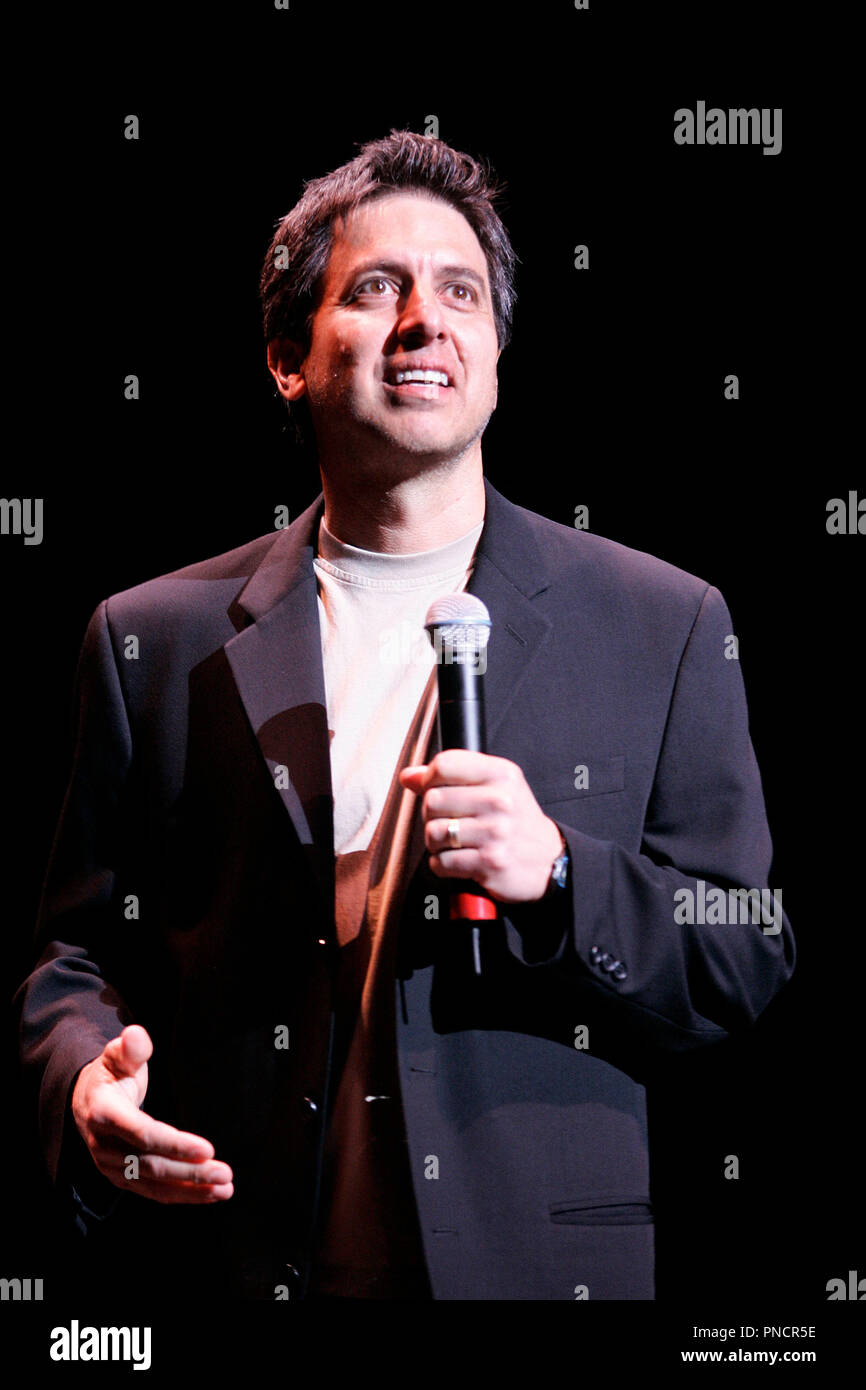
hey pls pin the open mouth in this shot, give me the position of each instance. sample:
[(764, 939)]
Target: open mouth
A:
[(428, 384)]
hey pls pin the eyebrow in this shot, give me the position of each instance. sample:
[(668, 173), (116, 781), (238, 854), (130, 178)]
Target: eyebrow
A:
[(464, 272)]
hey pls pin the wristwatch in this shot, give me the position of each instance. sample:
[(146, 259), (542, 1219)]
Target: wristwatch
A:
[(558, 881)]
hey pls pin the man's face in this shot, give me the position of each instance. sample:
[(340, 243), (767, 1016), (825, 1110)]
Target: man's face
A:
[(406, 289)]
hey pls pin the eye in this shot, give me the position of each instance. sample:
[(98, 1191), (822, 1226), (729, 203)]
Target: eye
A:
[(378, 281), (465, 294)]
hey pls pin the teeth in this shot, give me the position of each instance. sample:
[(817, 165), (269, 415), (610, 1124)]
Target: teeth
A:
[(433, 378)]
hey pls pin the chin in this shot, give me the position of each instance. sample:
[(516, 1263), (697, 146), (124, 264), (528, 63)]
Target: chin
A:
[(445, 443)]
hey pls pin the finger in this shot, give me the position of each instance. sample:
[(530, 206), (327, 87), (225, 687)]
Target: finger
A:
[(125, 1055), (457, 766), (193, 1194), (117, 1118), (413, 772), (437, 838), (457, 863), (414, 779), (153, 1167), (457, 803)]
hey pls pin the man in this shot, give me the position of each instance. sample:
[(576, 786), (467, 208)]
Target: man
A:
[(246, 916)]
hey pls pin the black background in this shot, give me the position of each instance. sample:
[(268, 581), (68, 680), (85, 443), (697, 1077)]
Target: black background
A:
[(143, 257)]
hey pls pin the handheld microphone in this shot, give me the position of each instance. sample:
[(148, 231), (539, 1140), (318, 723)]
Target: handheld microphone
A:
[(459, 628)]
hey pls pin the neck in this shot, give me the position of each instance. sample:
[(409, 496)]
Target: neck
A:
[(404, 516)]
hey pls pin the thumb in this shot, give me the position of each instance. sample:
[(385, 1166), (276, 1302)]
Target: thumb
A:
[(128, 1053), (411, 777)]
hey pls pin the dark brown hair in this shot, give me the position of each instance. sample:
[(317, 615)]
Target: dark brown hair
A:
[(403, 160)]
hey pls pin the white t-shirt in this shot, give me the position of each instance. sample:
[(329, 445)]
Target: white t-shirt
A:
[(377, 659)]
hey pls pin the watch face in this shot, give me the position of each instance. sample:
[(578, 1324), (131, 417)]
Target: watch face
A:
[(559, 872)]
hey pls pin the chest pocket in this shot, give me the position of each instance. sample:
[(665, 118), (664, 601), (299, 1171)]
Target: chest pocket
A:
[(590, 776), (604, 1209)]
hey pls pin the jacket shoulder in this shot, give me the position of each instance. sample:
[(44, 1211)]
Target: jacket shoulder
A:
[(573, 555), (194, 589)]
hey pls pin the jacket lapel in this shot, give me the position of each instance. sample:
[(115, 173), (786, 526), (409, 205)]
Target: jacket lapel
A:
[(277, 665), (509, 573)]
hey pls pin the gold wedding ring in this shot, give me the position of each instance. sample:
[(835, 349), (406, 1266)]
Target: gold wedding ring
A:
[(454, 834)]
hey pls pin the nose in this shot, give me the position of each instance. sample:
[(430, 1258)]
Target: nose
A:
[(421, 316)]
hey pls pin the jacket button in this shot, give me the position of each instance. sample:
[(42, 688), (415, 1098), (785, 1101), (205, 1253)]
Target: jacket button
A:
[(310, 1105), (594, 953), (619, 972)]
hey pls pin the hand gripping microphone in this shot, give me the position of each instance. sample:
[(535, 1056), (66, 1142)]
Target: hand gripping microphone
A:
[(459, 628)]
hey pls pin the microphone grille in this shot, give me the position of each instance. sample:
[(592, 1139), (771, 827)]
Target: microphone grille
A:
[(456, 608), (459, 622)]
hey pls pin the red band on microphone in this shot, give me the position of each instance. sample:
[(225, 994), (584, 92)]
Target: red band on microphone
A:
[(470, 907)]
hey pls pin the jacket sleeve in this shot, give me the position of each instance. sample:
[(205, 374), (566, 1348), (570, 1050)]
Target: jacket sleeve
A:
[(625, 926), (67, 1011)]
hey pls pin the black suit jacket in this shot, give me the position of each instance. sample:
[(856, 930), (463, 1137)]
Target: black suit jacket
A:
[(191, 889)]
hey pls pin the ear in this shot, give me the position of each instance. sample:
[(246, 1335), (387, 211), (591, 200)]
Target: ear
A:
[(285, 360)]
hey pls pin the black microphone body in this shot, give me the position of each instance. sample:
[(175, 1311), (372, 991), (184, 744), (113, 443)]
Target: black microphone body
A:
[(459, 627), (461, 707)]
